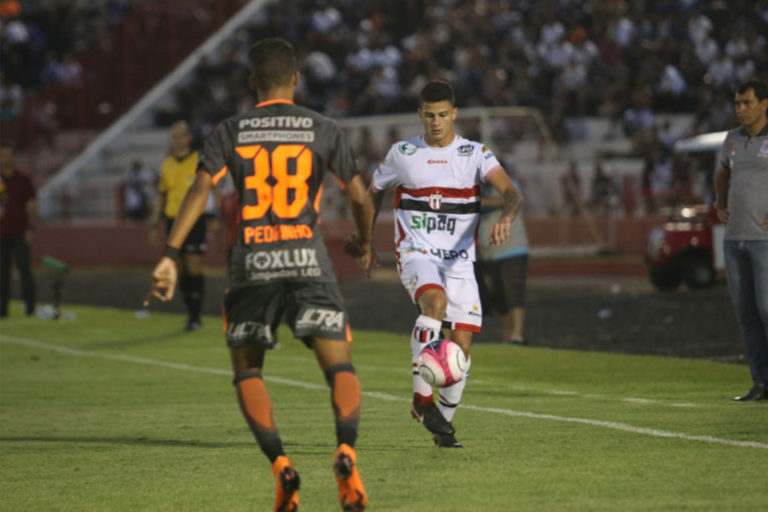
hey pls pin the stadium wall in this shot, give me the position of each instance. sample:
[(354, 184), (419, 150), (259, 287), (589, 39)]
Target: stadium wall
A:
[(128, 244)]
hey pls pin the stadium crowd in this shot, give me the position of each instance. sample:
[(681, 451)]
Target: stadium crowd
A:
[(627, 61), (614, 58), (39, 41)]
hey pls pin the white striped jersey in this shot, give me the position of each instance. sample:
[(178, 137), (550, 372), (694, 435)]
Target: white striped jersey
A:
[(437, 198)]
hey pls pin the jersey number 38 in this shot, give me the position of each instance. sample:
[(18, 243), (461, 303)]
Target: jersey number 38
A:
[(276, 196)]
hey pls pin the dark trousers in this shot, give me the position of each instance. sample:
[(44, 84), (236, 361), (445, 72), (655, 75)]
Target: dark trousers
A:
[(15, 248)]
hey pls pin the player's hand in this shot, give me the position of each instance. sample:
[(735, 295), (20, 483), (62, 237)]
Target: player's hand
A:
[(362, 252), (500, 231), (163, 281), (723, 214)]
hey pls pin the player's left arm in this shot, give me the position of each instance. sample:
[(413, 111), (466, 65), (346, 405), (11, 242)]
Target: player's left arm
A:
[(165, 274), (510, 208)]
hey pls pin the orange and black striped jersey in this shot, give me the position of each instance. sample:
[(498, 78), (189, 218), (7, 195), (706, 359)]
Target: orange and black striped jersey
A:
[(277, 155)]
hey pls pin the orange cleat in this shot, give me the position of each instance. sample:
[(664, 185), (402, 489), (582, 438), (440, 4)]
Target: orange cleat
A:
[(352, 494), (286, 492)]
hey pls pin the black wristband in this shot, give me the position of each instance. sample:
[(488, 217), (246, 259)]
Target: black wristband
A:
[(171, 252)]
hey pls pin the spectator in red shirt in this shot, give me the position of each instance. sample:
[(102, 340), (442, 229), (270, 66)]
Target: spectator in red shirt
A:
[(18, 214)]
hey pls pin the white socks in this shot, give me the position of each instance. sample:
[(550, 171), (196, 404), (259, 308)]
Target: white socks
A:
[(426, 330), (450, 396)]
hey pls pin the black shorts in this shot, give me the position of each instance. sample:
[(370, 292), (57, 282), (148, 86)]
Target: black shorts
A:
[(312, 310), (195, 241), (503, 283)]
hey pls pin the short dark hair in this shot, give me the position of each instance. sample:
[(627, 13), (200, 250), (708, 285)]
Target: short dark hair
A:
[(437, 91), (761, 90), (273, 62)]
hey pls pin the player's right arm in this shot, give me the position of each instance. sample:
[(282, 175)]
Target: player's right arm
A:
[(722, 184), (383, 177), (363, 213)]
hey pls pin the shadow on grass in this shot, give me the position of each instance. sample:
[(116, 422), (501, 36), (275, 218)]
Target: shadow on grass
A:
[(127, 441), (133, 342), (294, 448)]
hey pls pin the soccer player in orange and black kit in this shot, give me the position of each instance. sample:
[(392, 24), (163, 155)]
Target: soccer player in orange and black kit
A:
[(277, 155)]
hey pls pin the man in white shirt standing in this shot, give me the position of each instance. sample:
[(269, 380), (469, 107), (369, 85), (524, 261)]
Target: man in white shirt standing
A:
[(437, 178)]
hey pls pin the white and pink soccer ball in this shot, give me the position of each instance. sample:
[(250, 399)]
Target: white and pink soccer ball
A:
[(442, 363)]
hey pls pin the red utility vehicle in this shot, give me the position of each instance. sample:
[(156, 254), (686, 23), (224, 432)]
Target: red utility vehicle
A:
[(687, 248)]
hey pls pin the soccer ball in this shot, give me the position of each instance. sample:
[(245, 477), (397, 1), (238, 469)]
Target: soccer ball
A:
[(442, 363)]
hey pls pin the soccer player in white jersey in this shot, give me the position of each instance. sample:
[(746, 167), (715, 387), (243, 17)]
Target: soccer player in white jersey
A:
[(437, 179)]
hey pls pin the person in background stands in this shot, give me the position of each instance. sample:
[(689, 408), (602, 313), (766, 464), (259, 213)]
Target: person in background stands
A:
[(137, 187), (502, 270), (18, 217)]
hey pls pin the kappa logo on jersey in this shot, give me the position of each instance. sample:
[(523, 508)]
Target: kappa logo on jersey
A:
[(407, 149), (435, 200), (280, 259), (466, 149), (247, 330), (317, 317), (489, 155), (433, 223)]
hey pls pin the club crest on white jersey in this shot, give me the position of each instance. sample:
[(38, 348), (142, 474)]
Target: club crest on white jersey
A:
[(434, 200)]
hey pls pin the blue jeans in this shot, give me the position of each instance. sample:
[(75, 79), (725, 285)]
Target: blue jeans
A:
[(746, 268)]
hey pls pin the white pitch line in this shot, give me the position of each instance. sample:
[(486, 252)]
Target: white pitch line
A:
[(555, 392), (593, 396), (620, 426), (392, 398)]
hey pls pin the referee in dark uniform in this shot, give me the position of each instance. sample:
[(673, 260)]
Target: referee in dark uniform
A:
[(741, 199)]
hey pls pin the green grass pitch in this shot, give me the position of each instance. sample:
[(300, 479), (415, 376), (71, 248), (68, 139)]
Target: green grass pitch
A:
[(112, 413)]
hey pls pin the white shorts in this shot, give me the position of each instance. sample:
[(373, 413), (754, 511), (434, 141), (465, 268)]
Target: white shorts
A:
[(419, 272)]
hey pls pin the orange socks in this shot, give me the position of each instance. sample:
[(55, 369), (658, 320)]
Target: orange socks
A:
[(257, 409), (345, 397)]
